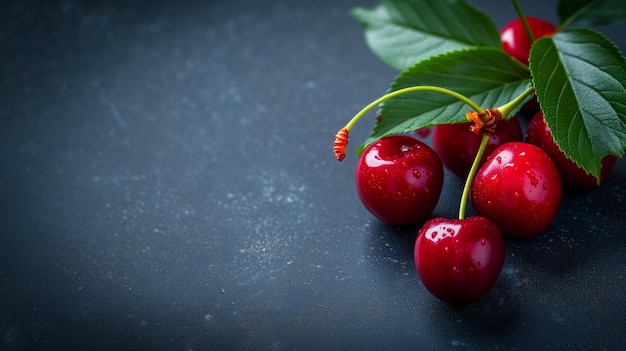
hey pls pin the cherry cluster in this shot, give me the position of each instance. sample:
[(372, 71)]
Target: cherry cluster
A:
[(515, 185)]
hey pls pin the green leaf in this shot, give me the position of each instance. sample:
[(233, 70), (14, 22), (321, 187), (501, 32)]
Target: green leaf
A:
[(487, 76), (580, 82), (592, 12), (404, 32)]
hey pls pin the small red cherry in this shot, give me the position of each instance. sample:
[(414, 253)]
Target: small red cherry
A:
[(457, 145), (399, 180), (519, 189), (459, 260), (515, 41), (572, 176)]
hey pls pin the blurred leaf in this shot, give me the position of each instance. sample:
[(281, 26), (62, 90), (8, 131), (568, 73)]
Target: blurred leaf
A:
[(592, 12), (404, 32)]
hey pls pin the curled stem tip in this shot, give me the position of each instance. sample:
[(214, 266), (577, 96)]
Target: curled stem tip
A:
[(341, 144), (484, 122)]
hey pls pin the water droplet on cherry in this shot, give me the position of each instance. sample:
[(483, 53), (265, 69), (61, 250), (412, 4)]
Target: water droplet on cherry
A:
[(417, 174), (532, 177)]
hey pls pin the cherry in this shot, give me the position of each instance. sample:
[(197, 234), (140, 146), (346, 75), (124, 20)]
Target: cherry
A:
[(399, 180), (519, 189), (515, 41), (572, 176), (459, 260), (457, 145)]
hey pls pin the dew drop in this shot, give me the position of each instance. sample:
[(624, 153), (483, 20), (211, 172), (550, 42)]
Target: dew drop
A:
[(516, 194), (433, 235), (455, 270), (532, 177), (489, 203), (483, 241), (545, 186), (446, 249), (499, 160), (417, 174)]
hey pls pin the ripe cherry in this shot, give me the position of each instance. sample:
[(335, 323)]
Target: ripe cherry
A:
[(399, 180), (519, 189), (459, 260), (572, 176), (457, 145), (515, 41)]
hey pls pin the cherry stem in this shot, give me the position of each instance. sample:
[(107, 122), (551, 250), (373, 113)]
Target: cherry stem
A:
[(472, 173), (507, 108), (522, 17), (398, 92)]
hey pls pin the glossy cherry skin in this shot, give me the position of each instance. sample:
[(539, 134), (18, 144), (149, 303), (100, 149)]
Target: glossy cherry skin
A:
[(399, 180), (457, 145), (519, 189), (572, 176), (515, 41), (459, 260)]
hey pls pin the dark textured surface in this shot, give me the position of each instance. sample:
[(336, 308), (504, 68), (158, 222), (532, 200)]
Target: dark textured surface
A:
[(167, 182)]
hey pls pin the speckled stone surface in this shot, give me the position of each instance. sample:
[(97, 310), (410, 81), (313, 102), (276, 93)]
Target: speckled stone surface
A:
[(167, 183)]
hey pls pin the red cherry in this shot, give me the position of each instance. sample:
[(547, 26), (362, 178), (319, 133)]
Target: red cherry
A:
[(572, 176), (519, 189), (399, 180), (515, 41), (457, 145), (459, 260)]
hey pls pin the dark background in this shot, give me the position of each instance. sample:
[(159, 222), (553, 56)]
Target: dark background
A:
[(167, 183)]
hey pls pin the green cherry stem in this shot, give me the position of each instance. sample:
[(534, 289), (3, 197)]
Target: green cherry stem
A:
[(472, 173), (507, 108), (411, 89), (522, 17), (341, 138)]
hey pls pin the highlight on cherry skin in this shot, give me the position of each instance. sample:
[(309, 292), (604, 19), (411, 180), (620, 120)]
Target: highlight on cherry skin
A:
[(399, 180), (457, 146), (519, 189), (459, 260), (514, 38), (572, 176)]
